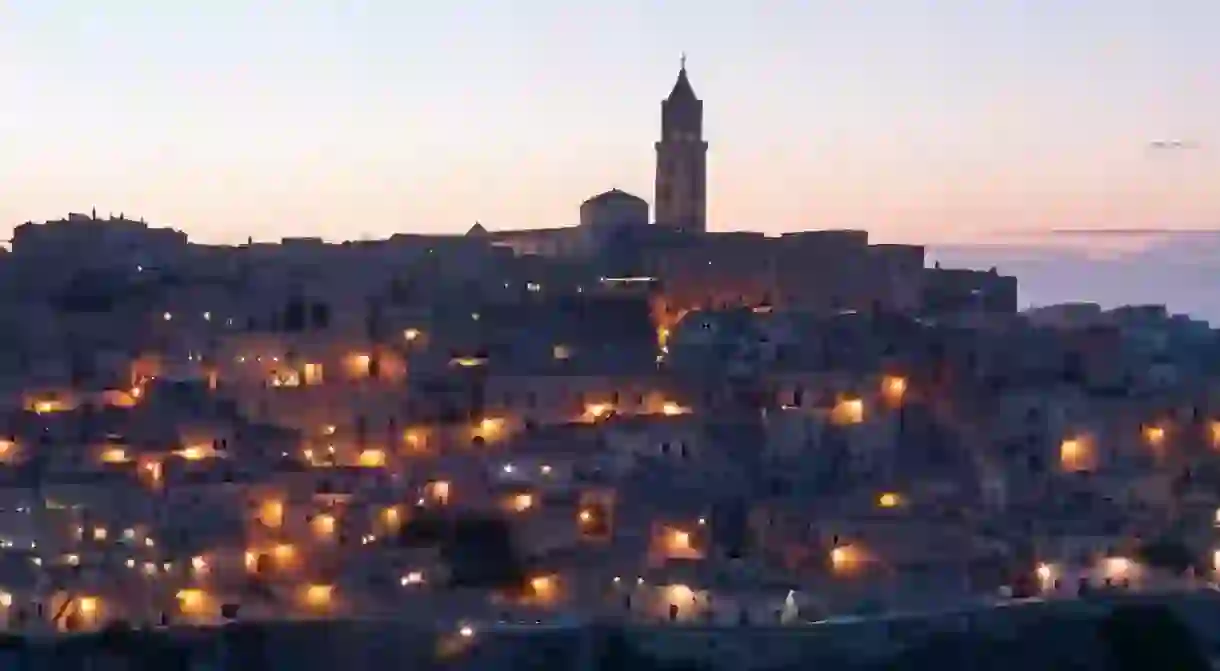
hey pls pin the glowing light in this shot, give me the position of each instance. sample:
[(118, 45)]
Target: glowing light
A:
[(893, 388), (1155, 435), (545, 469), (114, 455), (466, 631), (99, 533), (523, 502), (468, 361), (372, 458), (191, 599), (679, 593), (889, 500), (411, 335), (87, 605), (1045, 572), (439, 491), (671, 409), (848, 411), (194, 453), (844, 558), (391, 516), (324, 524), (319, 595), (412, 578), (1075, 454), (1118, 567), (542, 586), (167, 316), (598, 410), (679, 540), (199, 564), (271, 513), (586, 516), (284, 552), (489, 428)]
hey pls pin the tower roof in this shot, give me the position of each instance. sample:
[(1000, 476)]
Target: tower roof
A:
[(682, 88)]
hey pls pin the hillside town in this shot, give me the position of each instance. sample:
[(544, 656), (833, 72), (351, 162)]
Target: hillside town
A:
[(630, 418)]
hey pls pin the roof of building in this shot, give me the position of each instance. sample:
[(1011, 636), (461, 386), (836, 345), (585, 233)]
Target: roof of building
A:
[(612, 195), (682, 89)]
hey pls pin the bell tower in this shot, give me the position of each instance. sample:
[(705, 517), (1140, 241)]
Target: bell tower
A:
[(681, 184)]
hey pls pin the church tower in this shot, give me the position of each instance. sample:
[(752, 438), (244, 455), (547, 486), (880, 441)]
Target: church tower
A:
[(681, 186)]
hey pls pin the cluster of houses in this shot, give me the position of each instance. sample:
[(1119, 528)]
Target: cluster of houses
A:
[(457, 429)]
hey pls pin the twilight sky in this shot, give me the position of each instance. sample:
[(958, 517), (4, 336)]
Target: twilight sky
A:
[(945, 121)]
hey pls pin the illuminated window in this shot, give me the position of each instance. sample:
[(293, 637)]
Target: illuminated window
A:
[(1155, 435), (414, 438), (1076, 454), (324, 524), (372, 458), (893, 388), (47, 406), (391, 517), (311, 373), (359, 366), (196, 452), (438, 491), (271, 514), (489, 428), (319, 596), (848, 411), (673, 409), (845, 558), (595, 411), (191, 600), (544, 587), (412, 578), (889, 500), (114, 455), (561, 352), (522, 502)]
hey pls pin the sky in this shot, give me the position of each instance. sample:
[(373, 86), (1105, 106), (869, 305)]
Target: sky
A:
[(948, 122)]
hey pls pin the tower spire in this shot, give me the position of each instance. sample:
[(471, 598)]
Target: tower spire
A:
[(682, 61)]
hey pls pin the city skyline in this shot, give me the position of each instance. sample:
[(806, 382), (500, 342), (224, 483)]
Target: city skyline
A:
[(1015, 119)]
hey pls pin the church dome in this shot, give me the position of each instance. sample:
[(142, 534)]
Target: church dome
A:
[(614, 195), (613, 209)]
